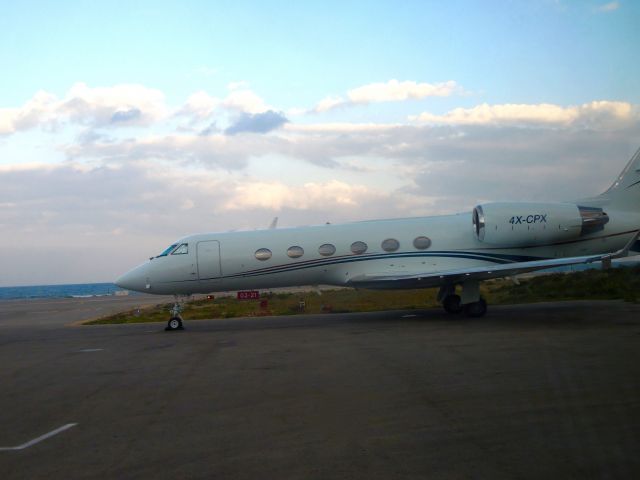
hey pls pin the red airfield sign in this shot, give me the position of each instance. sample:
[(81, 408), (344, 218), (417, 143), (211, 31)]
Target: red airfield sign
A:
[(249, 295)]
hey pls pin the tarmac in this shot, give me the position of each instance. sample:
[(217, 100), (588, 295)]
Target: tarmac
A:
[(549, 390)]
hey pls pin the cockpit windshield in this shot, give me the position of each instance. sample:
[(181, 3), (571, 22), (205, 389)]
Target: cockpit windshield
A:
[(168, 250), (183, 249)]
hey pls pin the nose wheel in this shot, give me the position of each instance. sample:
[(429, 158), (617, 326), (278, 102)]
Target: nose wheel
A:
[(175, 322)]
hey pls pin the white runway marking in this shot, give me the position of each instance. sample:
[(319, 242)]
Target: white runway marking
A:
[(86, 350), (40, 438), (409, 316)]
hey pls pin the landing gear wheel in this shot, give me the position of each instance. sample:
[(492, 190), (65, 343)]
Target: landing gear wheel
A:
[(451, 304), (174, 323), (476, 309)]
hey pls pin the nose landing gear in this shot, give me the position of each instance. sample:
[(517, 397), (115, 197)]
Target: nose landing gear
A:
[(175, 322)]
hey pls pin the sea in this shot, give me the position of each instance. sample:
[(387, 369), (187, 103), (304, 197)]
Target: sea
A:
[(77, 290)]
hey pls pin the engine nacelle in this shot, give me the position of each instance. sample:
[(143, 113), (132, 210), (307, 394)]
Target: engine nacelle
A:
[(531, 224)]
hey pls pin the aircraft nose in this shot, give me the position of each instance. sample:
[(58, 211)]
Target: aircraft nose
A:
[(135, 279)]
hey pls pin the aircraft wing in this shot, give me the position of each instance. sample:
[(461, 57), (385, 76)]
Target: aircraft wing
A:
[(430, 279)]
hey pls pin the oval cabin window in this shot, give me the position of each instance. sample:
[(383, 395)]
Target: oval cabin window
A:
[(326, 250), (358, 247), (422, 243), (263, 254), (390, 245), (295, 252)]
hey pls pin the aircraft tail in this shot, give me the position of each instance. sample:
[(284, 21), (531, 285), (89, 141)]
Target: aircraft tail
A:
[(624, 194)]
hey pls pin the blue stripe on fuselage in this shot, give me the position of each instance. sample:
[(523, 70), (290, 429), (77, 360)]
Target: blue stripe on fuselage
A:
[(322, 262)]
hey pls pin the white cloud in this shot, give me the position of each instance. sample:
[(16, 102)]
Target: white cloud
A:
[(276, 195), (120, 188), (608, 7), (71, 212), (38, 110), (391, 91), (245, 101), (119, 105), (338, 127), (395, 91), (229, 152), (257, 123), (199, 106), (110, 216), (329, 103), (125, 193), (208, 114), (335, 145), (608, 113), (7, 119), (603, 113)]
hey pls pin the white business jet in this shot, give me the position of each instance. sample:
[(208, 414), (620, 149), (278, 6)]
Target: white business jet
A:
[(452, 252)]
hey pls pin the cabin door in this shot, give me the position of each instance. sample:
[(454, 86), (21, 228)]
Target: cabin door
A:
[(209, 260)]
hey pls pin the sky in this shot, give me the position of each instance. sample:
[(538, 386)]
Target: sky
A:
[(127, 125)]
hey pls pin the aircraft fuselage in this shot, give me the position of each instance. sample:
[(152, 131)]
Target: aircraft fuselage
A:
[(304, 255)]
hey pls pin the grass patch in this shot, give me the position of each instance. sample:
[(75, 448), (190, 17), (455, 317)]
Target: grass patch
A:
[(617, 283)]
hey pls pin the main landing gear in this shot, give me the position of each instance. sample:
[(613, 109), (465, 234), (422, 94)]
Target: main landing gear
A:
[(471, 303), (475, 309), (451, 303), (175, 322)]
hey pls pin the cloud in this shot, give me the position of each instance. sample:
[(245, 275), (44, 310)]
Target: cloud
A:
[(105, 106), (39, 109), (126, 115), (608, 7), (597, 113), (126, 104), (516, 164), (199, 106), (335, 145), (257, 123), (440, 174), (210, 129), (120, 194), (340, 127), (242, 110), (68, 225), (70, 214), (330, 103), (395, 91), (391, 91), (276, 195), (245, 101), (173, 185), (210, 149)]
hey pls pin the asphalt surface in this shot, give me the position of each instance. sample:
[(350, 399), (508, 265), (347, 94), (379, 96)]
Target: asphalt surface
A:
[(530, 391)]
